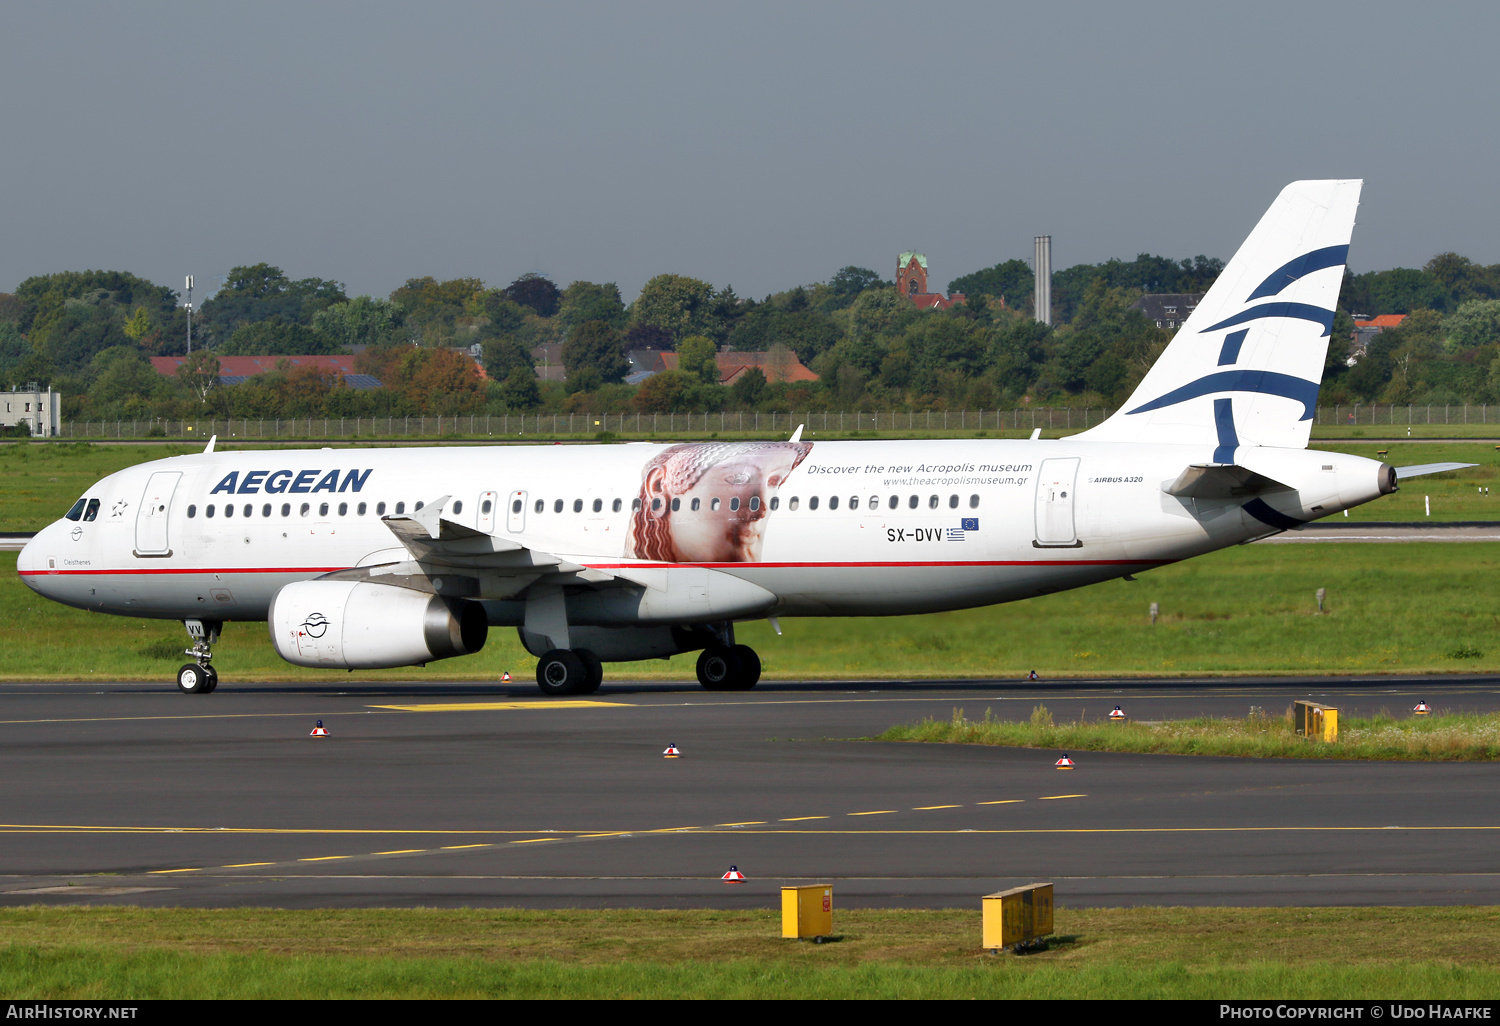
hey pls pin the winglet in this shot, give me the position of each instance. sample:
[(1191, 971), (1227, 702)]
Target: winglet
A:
[(797, 435), (210, 446)]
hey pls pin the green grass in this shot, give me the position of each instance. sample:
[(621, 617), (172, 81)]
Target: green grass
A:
[(1408, 608), (1153, 953), (1450, 737)]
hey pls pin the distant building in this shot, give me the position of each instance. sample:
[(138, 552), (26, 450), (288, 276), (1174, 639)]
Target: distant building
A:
[(734, 365), (1168, 309), (40, 411), (1365, 329), (911, 282), (235, 370)]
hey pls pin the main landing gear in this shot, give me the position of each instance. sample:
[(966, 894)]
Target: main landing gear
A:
[(728, 668), (564, 671), (199, 677)]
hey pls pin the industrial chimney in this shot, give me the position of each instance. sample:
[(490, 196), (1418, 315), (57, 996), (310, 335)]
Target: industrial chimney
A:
[(1043, 270)]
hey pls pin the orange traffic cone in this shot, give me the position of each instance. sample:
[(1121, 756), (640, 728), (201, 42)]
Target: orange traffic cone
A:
[(1116, 715), (671, 753), (733, 876), (318, 731), (1421, 709), (1065, 763)]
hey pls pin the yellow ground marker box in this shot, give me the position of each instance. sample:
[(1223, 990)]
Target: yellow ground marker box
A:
[(1315, 721), (807, 912), (1017, 916)]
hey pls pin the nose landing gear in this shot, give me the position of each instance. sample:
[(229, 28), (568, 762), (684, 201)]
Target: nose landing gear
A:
[(199, 677)]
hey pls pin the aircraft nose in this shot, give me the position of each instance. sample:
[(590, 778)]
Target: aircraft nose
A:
[(31, 561)]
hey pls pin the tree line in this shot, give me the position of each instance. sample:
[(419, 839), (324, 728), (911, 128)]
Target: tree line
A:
[(90, 333)]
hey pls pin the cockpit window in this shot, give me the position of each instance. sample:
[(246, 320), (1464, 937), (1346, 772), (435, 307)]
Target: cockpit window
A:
[(76, 511), (92, 511)]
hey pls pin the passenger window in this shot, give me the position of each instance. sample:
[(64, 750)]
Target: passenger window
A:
[(775, 502), (541, 505), (418, 506), (360, 509), (209, 511), (380, 509), (286, 509), (794, 503), (812, 503), (322, 509), (557, 506), (734, 503), (229, 509), (913, 502), (343, 509), (676, 505), (635, 505), (76, 511), (973, 502), (400, 508), (458, 506), (854, 502), (265, 510), (874, 502), (953, 502), (598, 505), (92, 511), (485, 506), (895, 501), (615, 506), (192, 512), (577, 505), (932, 502), (249, 510), (305, 509), (833, 502), (697, 503), (754, 502), (655, 505), (515, 507), (714, 503)]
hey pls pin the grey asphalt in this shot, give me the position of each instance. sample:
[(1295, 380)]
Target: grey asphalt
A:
[(134, 793)]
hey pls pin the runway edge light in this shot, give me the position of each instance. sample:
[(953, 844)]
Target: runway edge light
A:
[(1065, 763), (1117, 715), (1421, 708), (733, 876), (671, 753), (319, 730)]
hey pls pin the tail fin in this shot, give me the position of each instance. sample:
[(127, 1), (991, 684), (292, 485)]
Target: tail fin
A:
[(1244, 369)]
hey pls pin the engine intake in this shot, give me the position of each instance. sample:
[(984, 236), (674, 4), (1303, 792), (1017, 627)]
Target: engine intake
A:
[(359, 625)]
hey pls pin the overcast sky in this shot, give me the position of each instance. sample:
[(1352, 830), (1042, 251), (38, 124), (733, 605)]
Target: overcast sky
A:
[(761, 144)]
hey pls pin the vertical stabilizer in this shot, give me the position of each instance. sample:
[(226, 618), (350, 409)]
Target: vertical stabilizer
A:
[(1245, 367)]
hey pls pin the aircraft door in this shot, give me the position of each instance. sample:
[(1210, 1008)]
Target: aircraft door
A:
[(151, 517), (515, 512), (1055, 483), (487, 501)]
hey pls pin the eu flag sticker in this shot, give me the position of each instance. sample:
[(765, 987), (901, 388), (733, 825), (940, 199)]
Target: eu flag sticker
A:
[(971, 523)]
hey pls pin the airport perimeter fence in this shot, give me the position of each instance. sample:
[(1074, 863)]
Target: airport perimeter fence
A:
[(675, 425)]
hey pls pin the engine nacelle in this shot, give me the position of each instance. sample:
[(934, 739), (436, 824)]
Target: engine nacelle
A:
[(364, 626)]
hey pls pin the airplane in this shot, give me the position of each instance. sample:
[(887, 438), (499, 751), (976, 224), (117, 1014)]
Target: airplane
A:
[(373, 558)]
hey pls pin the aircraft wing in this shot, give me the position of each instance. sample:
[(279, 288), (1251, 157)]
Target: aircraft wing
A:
[(1221, 481), (1422, 469)]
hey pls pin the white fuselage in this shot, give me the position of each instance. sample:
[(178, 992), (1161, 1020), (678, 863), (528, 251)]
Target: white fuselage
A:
[(917, 526)]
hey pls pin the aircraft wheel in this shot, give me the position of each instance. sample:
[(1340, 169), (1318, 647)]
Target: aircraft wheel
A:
[(749, 668), (718, 668), (561, 672), (213, 679), (192, 679), (595, 670)]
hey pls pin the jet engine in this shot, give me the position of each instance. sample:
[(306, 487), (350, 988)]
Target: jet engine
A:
[(366, 626)]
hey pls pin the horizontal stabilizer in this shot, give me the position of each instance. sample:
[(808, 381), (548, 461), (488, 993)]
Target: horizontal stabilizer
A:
[(1422, 469), (1221, 481)]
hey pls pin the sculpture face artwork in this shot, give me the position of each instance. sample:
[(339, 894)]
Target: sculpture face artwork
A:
[(707, 502)]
